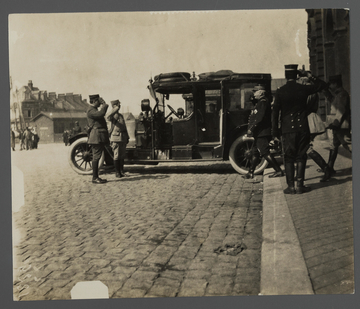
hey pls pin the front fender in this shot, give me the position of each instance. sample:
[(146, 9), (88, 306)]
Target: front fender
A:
[(231, 136), (76, 137)]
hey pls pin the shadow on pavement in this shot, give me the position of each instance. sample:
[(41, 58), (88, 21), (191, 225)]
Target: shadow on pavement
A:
[(137, 178), (332, 182)]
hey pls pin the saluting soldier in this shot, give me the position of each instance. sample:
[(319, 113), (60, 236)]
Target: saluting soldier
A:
[(99, 135), (291, 104), (259, 127), (119, 138)]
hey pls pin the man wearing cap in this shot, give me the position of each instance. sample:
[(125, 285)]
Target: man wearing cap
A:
[(340, 100), (99, 135), (76, 129), (259, 127), (291, 105), (119, 138)]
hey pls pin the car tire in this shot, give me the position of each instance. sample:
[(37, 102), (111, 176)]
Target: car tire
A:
[(80, 157), (239, 156)]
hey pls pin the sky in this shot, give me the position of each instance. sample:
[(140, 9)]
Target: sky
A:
[(115, 54)]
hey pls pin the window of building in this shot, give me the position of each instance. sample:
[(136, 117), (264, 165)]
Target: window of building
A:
[(29, 113), (59, 127)]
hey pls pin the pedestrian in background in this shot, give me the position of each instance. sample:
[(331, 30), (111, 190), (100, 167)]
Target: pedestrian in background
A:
[(22, 140), (66, 137), (99, 135), (291, 105), (341, 125), (28, 138), (76, 129), (316, 127), (119, 138), (259, 127), (12, 139)]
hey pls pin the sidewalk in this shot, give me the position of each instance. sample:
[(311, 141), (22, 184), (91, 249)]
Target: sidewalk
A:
[(308, 238)]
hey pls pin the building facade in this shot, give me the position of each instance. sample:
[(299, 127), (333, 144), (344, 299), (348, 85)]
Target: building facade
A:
[(29, 101), (329, 49)]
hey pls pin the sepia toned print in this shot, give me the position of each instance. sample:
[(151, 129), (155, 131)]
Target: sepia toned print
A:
[(181, 154)]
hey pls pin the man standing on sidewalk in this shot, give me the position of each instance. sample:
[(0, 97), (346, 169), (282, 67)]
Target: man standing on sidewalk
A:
[(340, 100), (119, 138), (291, 105), (99, 135)]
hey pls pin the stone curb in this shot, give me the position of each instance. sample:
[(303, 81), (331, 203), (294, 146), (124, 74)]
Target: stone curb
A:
[(283, 268)]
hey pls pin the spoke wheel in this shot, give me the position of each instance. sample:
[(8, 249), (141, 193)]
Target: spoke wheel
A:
[(80, 157), (240, 156)]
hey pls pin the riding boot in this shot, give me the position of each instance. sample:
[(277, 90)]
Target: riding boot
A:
[(254, 162), (301, 166), (319, 160), (122, 173), (96, 178), (275, 165), (289, 173), (332, 158), (117, 168)]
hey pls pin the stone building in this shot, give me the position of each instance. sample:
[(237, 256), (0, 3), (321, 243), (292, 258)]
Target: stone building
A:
[(28, 102), (329, 48)]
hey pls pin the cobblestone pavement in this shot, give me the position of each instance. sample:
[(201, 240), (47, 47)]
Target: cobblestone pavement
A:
[(170, 230), (323, 219)]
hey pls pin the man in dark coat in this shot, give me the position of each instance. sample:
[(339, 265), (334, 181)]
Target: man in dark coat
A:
[(291, 105), (259, 127), (99, 136)]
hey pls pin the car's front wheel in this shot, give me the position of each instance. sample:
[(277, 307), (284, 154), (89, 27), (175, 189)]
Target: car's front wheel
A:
[(80, 157), (240, 156)]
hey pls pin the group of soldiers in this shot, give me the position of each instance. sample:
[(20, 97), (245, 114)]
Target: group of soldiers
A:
[(99, 136), (28, 138), (288, 119)]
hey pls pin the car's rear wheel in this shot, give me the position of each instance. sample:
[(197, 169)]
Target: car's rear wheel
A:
[(240, 156), (80, 157)]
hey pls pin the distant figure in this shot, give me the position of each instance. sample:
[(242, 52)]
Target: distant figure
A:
[(66, 137), (28, 139), (35, 139), (12, 139), (76, 129), (22, 139)]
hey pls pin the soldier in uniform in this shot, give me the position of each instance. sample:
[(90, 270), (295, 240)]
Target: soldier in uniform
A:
[(340, 126), (291, 105), (99, 135), (119, 138), (259, 127), (76, 129)]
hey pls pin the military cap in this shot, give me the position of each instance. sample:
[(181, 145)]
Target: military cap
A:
[(334, 78), (76, 122), (259, 87), (93, 97), (115, 102)]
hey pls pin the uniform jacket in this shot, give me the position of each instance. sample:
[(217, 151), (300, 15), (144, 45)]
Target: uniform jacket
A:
[(118, 131), (291, 105), (96, 119), (260, 118), (341, 103)]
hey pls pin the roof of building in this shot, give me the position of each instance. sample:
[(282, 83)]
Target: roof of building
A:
[(58, 115)]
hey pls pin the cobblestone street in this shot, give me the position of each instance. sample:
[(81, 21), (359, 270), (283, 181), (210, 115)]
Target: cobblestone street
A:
[(169, 230)]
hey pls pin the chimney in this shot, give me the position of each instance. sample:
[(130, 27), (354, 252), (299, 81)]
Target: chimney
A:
[(30, 84), (52, 96)]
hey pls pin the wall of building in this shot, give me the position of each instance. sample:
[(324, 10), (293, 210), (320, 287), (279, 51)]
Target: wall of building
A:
[(45, 129)]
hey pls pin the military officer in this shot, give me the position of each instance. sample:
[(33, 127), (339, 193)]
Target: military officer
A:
[(119, 138), (259, 127), (99, 135), (291, 105), (340, 100)]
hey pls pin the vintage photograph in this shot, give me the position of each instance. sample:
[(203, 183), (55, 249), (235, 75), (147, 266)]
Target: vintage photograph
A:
[(181, 154)]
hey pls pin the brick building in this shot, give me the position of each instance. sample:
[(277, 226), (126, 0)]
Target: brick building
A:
[(30, 105)]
